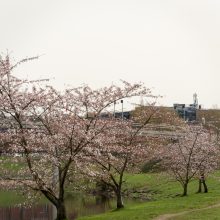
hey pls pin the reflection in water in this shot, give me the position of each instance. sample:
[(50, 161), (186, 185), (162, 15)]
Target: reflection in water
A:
[(82, 206), (76, 206), (26, 213)]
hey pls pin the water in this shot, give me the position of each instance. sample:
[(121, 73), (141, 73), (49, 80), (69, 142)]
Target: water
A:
[(76, 206), (38, 212)]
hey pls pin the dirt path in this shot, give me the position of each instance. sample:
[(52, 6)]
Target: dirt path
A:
[(169, 216)]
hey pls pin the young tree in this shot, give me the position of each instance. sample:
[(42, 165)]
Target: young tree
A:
[(188, 155), (52, 129), (202, 182), (124, 150), (205, 169)]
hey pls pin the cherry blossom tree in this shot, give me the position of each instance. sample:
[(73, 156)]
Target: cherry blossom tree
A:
[(204, 169), (192, 154), (54, 130), (124, 150)]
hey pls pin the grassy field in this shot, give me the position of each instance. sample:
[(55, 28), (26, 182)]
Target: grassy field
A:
[(8, 198), (165, 198), (160, 196), (211, 214)]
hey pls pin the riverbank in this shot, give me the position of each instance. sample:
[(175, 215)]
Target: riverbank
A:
[(166, 199), (147, 196)]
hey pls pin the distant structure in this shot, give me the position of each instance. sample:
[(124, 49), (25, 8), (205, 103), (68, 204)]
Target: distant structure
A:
[(188, 113), (195, 100), (124, 115)]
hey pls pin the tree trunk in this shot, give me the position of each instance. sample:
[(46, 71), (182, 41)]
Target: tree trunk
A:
[(119, 199), (205, 187), (61, 211), (185, 187), (202, 182), (200, 186)]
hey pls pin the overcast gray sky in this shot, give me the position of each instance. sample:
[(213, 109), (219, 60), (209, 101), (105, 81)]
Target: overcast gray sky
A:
[(172, 46)]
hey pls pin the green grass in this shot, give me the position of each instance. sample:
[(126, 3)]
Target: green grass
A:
[(11, 163), (164, 196), (166, 200), (9, 198), (213, 214)]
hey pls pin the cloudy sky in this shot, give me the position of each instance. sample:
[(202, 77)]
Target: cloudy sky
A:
[(172, 46)]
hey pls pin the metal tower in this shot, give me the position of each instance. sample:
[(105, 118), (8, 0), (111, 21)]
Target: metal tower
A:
[(195, 100)]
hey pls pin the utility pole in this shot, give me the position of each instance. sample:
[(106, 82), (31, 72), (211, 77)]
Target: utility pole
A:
[(184, 114), (122, 113), (114, 109)]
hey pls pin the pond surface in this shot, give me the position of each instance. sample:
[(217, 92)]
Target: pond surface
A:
[(76, 206), (38, 212)]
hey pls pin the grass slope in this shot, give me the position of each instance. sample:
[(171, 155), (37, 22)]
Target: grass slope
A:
[(166, 199), (8, 198)]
